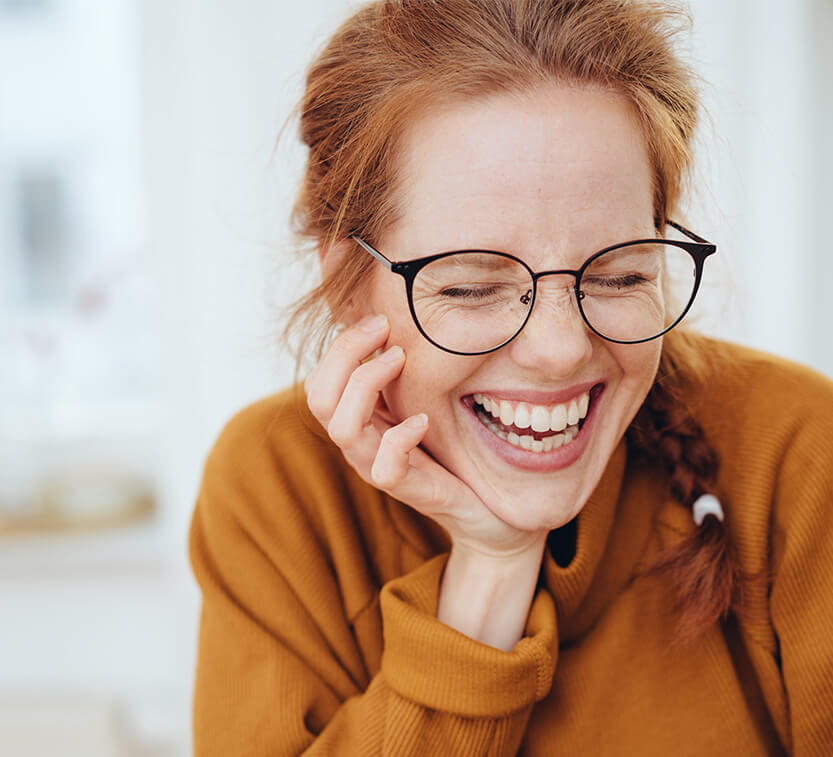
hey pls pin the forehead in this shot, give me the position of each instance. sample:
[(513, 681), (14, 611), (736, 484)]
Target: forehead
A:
[(556, 167)]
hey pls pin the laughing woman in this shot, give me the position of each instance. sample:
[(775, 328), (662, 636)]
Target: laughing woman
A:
[(515, 508)]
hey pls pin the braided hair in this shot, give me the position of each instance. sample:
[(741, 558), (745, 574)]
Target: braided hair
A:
[(703, 571)]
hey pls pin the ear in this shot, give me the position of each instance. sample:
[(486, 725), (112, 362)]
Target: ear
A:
[(332, 259)]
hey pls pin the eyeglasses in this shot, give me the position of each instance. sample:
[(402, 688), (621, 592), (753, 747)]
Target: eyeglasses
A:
[(472, 302)]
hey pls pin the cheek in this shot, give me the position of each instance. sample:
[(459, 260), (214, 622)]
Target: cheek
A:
[(428, 372), (387, 295), (638, 364), (418, 387), (429, 383)]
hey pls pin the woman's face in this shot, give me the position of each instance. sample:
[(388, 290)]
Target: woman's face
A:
[(551, 176)]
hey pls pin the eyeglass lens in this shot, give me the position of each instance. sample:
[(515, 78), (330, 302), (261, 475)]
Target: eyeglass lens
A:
[(475, 301)]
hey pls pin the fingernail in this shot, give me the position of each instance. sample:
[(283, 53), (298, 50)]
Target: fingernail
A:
[(392, 354), (417, 421), (371, 323)]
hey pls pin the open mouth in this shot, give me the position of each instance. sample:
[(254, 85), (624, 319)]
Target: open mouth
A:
[(535, 428)]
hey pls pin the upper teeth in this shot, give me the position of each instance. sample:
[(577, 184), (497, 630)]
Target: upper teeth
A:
[(538, 417)]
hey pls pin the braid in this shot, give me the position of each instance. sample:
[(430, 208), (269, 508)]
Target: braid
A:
[(704, 575)]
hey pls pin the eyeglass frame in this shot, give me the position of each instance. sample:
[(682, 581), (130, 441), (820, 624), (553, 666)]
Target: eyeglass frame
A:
[(698, 248)]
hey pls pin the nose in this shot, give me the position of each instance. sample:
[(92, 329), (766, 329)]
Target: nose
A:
[(555, 341)]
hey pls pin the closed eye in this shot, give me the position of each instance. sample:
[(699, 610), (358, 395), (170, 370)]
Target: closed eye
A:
[(617, 282), (469, 292)]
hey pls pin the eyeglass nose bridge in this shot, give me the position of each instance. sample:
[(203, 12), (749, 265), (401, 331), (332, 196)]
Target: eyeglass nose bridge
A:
[(527, 298), (531, 296)]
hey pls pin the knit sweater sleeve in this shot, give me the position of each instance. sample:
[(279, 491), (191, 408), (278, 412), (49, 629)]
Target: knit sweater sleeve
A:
[(281, 670), (801, 599)]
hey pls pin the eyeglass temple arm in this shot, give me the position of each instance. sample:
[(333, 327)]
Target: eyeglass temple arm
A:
[(376, 254), (389, 263), (684, 230)]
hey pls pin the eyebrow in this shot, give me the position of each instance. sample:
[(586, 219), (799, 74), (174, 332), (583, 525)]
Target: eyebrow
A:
[(634, 236)]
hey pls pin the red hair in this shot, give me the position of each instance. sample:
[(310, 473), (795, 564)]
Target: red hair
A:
[(392, 59)]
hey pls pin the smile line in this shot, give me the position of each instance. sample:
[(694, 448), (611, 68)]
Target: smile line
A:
[(537, 437)]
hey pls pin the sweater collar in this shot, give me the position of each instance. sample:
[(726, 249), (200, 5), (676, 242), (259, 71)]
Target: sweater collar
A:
[(569, 585), (613, 529)]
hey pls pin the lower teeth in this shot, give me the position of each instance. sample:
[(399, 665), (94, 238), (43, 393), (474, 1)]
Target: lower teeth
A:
[(527, 442)]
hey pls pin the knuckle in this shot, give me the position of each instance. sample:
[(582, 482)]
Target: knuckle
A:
[(392, 440), (439, 496), (366, 380), (364, 377), (348, 343), (340, 348), (384, 477), (381, 478), (339, 432), (318, 406)]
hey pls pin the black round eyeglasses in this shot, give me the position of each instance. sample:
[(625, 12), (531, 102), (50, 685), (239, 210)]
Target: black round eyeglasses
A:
[(472, 302)]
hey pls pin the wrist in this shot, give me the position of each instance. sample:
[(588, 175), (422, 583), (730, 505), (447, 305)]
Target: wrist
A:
[(486, 595)]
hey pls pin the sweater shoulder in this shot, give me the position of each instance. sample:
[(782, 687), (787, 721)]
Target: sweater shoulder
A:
[(274, 469), (274, 485), (278, 427), (747, 391), (770, 420)]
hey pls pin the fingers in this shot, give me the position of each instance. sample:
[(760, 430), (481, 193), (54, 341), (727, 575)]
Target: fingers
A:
[(326, 383), (392, 463), (361, 395), (344, 394)]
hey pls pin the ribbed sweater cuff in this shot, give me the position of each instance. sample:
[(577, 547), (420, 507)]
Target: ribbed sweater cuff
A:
[(437, 667)]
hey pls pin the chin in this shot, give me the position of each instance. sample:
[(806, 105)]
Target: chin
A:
[(534, 489), (539, 506)]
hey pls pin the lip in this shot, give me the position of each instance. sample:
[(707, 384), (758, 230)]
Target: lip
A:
[(539, 462), (537, 397)]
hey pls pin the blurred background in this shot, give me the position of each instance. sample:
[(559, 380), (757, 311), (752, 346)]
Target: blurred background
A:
[(144, 259)]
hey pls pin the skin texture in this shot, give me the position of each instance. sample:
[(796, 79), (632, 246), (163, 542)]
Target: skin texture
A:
[(551, 175)]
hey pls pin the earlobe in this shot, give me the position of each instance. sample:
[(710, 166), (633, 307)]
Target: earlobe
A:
[(347, 308), (331, 257)]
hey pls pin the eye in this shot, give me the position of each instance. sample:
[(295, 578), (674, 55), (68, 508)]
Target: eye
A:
[(621, 281), (462, 292), (612, 282)]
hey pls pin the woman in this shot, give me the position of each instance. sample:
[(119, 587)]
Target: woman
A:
[(515, 508)]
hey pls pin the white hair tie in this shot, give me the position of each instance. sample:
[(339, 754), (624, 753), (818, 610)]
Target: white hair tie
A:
[(706, 504)]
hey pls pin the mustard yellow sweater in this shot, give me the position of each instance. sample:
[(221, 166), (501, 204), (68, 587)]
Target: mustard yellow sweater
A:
[(319, 634)]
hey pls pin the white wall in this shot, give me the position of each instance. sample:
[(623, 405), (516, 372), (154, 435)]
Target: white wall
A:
[(100, 629), (765, 185)]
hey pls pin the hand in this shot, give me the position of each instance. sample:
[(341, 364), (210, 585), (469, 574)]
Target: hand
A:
[(344, 394)]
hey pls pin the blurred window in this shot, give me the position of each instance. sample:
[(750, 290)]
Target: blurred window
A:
[(43, 237), (78, 413), (21, 6)]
